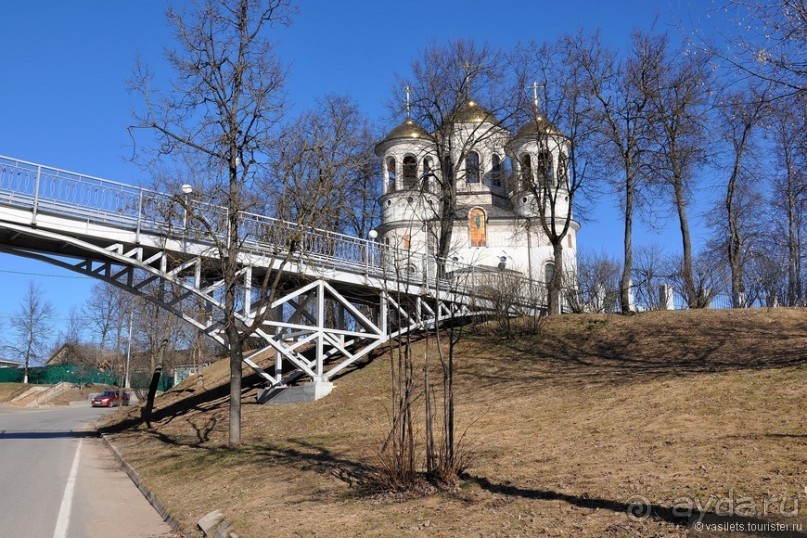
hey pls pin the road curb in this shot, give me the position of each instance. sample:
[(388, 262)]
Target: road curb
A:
[(147, 493)]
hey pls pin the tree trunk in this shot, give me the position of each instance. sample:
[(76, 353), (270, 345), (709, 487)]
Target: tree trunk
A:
[(155, 377), (446, 228), (428, 393), (793, 277), (231, 323), (236, 357), (735, 240), (556, 284), (686, 267), (153, 385), (451, 443), (734, 245), (28, 353), (625, 281)]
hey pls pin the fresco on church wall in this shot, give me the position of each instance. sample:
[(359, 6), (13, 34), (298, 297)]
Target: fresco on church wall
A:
[(477, 227)]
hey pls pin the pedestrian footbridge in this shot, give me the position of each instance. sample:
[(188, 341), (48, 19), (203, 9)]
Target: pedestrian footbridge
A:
[(337, 297)]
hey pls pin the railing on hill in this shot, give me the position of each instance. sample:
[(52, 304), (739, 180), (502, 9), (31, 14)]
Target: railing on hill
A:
[(47, 190), (667, 297)]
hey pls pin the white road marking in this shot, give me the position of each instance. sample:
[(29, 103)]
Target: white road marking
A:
[(63, 521)]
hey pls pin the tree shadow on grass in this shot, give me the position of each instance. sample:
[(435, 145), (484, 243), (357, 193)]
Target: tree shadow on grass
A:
[(299, 454), (641, 508), (307, 456)]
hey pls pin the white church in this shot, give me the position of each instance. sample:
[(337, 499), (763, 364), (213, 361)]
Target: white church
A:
[(495, 225)]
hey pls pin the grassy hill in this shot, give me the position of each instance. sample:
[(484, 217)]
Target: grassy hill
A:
[(10, 390), (569, 424)]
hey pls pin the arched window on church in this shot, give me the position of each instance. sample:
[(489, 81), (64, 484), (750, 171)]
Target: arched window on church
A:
[(478, 227), (495, 171), (410, 172), (392, 176), (428, 175), (526, 171), (472, 167), (543, 164)]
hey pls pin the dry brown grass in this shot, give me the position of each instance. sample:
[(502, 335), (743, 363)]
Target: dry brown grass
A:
[(9, 390), (568, 425)]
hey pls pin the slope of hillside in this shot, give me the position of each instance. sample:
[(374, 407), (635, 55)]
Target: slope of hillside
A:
[(570, 425), (9, 390)]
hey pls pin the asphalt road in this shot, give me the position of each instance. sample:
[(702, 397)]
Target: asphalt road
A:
[(56, 481)]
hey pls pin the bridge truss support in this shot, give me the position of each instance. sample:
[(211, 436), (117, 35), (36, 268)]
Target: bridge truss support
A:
[(315, 327)]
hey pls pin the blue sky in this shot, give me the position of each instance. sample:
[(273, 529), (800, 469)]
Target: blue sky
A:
[(65, 65)]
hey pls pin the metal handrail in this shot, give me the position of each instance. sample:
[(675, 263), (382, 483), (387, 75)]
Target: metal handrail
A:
[(46, 189)]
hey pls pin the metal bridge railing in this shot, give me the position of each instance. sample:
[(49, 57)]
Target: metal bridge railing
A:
[(44, 189)]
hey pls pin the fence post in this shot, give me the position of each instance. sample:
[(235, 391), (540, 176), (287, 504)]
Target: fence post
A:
[(139, 216), (36, 194)]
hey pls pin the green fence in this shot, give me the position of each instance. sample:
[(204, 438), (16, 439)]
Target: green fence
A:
[(50, 375), (141, 380), (10, 375)]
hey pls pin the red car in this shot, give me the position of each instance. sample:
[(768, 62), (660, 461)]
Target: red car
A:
[(109, 398)]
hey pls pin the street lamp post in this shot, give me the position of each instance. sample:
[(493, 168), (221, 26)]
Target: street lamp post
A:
[(187, 190)]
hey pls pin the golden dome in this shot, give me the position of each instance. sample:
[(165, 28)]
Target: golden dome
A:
[(538, 126), (408, 129), (472, 112)]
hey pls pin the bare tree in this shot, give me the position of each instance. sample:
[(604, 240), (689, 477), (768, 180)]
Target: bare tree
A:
[(598, 282), (74, 329), (766, 275), (328, 169), (565, 160), (651, 270), (739, 115), (767, 41), (362, 193), (788, 127), (506, 291), (156, 331), (219, 122), (708, 279), (104, 312), (679, 101), (619, 87), (445, 454), (446, 100), (32, 327)]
